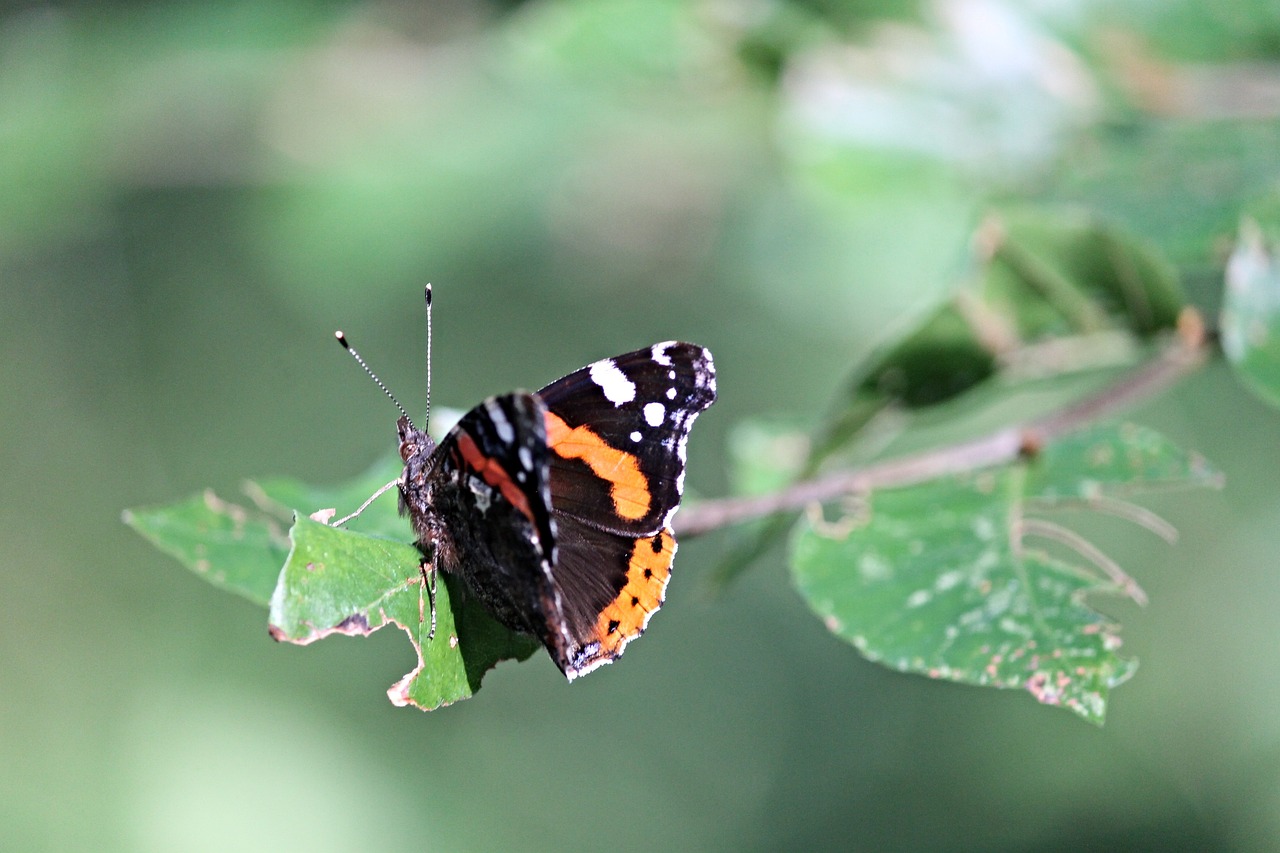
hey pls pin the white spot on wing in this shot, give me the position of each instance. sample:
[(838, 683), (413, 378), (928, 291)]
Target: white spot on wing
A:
[(617, 388), (654, 413), (635, 435), (660, 354), (526, 459), (482, 493), (671, 393), (500, 422)]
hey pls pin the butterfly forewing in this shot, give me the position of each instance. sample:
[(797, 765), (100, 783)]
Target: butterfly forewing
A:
[(617, 430)]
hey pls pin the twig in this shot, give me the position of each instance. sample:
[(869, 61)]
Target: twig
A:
[(1185, 353)]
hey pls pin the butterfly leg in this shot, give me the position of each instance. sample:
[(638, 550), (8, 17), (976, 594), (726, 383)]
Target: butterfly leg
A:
[(365, 505), (429, 588), (432, 591)]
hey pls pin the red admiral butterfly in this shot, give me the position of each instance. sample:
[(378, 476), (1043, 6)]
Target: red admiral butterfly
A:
[(555, 507)]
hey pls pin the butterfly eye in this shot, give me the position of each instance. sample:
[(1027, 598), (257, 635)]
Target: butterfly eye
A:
[(406, 450)]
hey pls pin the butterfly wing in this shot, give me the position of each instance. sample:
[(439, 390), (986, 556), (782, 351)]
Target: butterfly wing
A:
[(482, 505), (616, 431)]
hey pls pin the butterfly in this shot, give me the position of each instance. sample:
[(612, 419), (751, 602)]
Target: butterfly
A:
[(554, 507)]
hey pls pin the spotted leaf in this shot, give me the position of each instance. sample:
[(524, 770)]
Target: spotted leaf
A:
[(970, 579)]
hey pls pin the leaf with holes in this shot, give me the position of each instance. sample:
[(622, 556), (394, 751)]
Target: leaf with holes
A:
[(334, 581), (951, 579), (338, 582)]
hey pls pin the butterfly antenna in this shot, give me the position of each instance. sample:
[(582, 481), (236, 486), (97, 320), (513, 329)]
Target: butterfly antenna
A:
[(342, 339), (427, 420)]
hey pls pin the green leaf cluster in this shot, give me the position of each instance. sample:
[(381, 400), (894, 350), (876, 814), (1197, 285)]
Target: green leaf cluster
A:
[(951, 577), (783, 150), (317, 580)]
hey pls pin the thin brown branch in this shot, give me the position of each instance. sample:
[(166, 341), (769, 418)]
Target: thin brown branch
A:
[(1185, 353)]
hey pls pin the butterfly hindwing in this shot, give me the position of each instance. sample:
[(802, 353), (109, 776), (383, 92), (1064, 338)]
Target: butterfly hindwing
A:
[(611, 585), (617, 431)]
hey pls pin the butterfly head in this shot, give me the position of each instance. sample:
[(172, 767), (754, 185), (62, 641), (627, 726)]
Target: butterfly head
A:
[(416, 449), (415, 445)]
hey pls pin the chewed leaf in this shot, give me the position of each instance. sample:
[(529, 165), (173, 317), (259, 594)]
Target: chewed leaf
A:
[(240, 545), (236, 548), (941, 592), (1251, 315), (950, 578), (333, 580), (340, 582)]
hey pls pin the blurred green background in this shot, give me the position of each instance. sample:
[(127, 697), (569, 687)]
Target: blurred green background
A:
[(194, 196)]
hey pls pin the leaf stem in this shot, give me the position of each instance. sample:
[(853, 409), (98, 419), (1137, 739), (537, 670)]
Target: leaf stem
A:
[(1185, 353)]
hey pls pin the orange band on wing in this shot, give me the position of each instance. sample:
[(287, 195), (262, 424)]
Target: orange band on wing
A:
[(493, 474), (648, 571), (628, 486)]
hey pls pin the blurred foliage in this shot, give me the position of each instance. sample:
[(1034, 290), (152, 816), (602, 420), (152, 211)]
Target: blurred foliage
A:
[(1251, 314), (1052, 287), (192, 196)]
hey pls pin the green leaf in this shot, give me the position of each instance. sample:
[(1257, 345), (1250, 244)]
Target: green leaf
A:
[(1061, 271), (381, 518), (241, 547), (1062, 293), (1251, 314), (339, 582), (336, 580), (1113, 461), (236, 548), (951, 578)]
